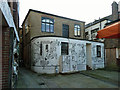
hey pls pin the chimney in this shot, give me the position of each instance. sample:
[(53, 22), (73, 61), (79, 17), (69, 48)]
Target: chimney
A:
[(114, 11), (119, 9), (119, 6)]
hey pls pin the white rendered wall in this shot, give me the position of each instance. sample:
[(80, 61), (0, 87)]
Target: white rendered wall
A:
[(89, 29), (52, 61)]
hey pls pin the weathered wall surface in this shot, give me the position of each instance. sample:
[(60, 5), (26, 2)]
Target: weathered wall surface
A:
[(97, 62), (51, 60), (7, 28), (99, 25), (8, 16)]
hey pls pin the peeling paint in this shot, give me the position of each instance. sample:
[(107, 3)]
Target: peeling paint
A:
[(51, 53)]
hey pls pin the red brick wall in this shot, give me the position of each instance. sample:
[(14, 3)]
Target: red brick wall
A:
[(5, 56)]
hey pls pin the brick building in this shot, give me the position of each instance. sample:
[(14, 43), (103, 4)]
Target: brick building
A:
[(111, 44), (9, 24), (55, 44), (92, 28)]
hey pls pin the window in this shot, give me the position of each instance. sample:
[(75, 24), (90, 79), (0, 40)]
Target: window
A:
[(47, 25), (86, 33), (64, 48), (46, 48), (41, 49), (77, 30), (94, 31), (26, 27), (65, 31), (98, 51)]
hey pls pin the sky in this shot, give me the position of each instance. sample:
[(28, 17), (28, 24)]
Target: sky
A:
[(83, 10)]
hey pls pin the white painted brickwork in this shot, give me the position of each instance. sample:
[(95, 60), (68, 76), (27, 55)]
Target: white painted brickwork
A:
[(51, 60)]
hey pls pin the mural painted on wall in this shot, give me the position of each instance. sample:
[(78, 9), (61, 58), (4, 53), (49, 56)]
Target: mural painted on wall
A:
[(66, 63), (81, 53), (75, 58), (49, 49), (75, 61), (98, 62), (35, 53), (69, 63), (96, 59)]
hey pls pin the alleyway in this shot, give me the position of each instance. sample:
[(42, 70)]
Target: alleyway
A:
[(29, 79)]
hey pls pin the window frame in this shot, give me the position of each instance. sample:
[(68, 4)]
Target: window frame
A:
[(77, 29), (48, 22), (65, 30), (98, 51), (64, 48), (26, 27), (41, 46)]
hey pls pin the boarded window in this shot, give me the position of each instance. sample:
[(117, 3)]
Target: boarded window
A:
[(64, 48), (65, 30)]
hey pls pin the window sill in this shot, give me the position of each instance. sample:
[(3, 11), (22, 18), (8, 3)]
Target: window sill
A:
[(77, 36), (47, 32)]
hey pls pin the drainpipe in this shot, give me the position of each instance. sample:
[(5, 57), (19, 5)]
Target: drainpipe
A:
[(56, 69), (100, 24), (104, 55)]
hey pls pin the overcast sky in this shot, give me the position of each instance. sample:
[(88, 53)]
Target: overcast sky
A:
[(84, 10)]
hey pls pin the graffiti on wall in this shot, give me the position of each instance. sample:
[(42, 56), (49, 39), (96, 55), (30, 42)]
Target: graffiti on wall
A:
[(77, 57), (78, 50), (97, 60), (35, 51), (50, 55), (49, 49), (81, 53)]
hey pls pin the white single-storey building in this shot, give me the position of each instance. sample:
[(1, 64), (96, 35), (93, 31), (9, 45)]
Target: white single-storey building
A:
[(62, 55)]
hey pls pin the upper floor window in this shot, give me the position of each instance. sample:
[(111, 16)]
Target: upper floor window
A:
[(65, 32), (26, 27), (86, 35), (94, 31), (47, 24), (77, 30)]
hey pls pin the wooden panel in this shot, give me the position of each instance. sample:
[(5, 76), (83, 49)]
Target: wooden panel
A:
[(110, 57)]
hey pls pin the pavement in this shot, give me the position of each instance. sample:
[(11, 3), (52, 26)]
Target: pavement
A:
[(29, 79), (112, 77)]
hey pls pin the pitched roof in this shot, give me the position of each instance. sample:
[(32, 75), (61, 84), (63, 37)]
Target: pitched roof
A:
[(98, 21)]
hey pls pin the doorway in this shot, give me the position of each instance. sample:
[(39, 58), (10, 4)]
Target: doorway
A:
[(88, 57)]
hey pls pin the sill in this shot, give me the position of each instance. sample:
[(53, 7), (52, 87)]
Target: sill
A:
[(46, 32), (77, 36), (98, 56)]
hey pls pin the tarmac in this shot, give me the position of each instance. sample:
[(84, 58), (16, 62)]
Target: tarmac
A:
[(83, 79)]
